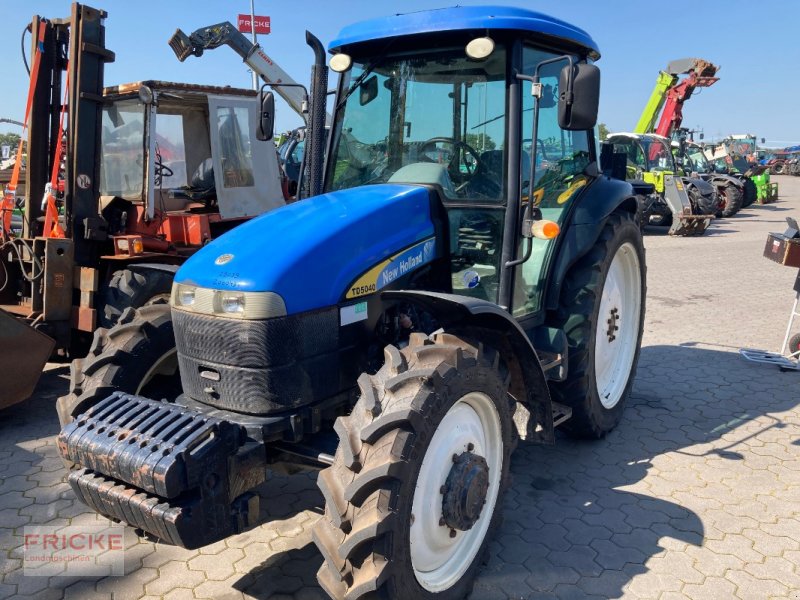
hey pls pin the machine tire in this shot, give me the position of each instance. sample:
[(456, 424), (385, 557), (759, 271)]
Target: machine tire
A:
[(750, 192), (124, 358), (794, 343), (133, 288), (778, 168), (579, 315), (733, 199), (370, 489)]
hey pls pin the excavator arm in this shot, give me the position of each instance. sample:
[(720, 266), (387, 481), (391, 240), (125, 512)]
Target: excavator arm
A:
[(225, 34)]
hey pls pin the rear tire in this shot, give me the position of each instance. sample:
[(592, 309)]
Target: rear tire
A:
[(603, 348), (384, 533), (133, 288), (732, 199), (136, 356)]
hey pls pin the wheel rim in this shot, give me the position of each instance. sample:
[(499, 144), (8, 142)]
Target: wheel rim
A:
[(439, 560), (167, 364), (618, 325)]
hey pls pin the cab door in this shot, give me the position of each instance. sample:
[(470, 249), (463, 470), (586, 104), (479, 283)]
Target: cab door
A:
[(245, 169), (558, 177)]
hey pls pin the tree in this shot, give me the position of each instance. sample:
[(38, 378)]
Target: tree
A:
[(10, 139), (602, 131), (480, 141)]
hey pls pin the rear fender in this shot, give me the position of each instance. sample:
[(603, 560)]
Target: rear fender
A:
[(488, 323), (723, 180), (579, 235)]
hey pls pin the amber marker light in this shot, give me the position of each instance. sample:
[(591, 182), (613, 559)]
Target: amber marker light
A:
[(545, 230)]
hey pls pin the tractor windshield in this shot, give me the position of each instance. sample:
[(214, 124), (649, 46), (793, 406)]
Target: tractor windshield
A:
[(697, 160), (428, 118), (658, 153), (122, 165)]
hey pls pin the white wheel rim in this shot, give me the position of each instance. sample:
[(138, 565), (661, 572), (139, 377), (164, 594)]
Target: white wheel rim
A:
[(620, 303), (439, 561)]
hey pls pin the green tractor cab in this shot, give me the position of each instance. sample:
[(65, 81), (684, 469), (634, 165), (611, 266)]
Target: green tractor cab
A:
[(685, 205)]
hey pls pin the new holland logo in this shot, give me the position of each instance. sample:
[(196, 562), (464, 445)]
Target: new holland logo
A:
[(223, 259)]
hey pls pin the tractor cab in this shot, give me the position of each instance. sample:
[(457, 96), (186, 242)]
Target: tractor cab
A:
[(177, 163), (453, 111)]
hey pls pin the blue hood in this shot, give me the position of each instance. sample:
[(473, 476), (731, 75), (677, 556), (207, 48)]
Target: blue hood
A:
[(310, 251)]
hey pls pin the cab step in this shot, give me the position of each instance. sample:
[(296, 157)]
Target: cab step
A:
[(561, 413)]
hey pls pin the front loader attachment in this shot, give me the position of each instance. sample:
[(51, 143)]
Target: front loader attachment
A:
[(685, 220), (23, 354), (687, 225)]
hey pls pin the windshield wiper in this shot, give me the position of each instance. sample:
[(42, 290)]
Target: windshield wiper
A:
[(360, 79)]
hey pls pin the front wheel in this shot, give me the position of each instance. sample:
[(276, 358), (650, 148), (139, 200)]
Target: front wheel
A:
[(136, 356), (602, 313), (418, 479), (731, 199)]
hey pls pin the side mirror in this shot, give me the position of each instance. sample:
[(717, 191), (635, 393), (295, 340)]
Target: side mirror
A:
[(368, 91), (578, 97), (702, 136), (266, 117)]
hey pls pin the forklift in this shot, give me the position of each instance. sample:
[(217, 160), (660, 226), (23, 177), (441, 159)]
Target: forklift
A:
[(150, 172)]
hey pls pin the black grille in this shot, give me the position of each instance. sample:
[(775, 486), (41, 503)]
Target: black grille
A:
[(258, 367)]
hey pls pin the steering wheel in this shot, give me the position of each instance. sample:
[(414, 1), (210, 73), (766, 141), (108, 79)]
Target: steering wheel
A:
[(454, 162)]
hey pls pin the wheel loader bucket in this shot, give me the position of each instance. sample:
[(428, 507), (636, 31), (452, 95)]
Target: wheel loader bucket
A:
[(23, 354), (690, 224)]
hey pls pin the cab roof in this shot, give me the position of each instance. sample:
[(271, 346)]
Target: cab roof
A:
[(460, 18)]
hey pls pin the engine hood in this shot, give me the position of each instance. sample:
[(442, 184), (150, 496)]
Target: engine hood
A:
[(310, 251)]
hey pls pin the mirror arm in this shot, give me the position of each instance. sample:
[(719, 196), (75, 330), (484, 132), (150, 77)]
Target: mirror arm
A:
[(304, 105)]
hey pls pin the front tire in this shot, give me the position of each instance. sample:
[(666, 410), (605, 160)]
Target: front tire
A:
[(602, 313), (750, 192), (418, 479), (732, 199), (136, 356)]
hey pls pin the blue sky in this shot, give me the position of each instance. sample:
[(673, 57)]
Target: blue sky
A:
[(758, 89)]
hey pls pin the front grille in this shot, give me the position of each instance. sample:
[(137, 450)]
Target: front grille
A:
[(258, 367)]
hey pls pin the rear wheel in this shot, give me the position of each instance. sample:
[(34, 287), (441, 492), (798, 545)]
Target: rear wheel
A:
[(136, 356), (418, 479), (602, 314)]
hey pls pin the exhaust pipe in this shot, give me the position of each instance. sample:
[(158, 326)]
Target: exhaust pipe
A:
[(315, 144)]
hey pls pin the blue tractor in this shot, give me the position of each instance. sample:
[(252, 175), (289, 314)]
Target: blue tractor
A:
[(466, 276)]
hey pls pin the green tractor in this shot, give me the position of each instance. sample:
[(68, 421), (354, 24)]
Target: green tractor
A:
[(685, 205), (467, 276)]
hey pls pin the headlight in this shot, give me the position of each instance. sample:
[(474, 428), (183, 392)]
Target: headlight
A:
[(185, 295), (229, 302)]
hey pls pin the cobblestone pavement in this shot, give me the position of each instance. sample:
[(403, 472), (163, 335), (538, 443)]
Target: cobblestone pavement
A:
[(695, 495)]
